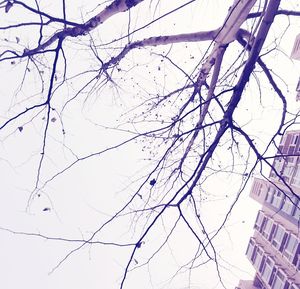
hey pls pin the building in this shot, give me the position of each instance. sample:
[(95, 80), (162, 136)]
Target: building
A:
[(296, 55), (274, 249), (296, 48)]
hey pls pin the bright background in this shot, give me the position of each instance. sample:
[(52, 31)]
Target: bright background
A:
[(91, 191)]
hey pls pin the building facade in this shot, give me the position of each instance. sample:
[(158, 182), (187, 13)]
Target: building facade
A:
[(274, 249), (296, 55)]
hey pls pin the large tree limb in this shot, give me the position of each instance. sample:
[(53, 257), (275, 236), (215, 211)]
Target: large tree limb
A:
[(254, 54), (115, 7), (279, 12), (163, 40)]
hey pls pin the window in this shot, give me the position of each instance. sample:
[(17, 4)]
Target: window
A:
[(296, 178), (256, 188), (277, 199), (267, 269), (279, 280), (259, 189), (278, 238), (288, 205), (288, 170), (296, 214), (292, 160), (262, 264), (295, 51), (250, 249), (269, 195), (267, 229), (287, 284), (278, 165), (290, 248), (258, 283), (295, 139), (291, 150), (257, 258), (259, 221)]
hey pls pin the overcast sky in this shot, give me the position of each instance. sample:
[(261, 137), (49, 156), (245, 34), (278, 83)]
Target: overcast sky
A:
[(77, 202)]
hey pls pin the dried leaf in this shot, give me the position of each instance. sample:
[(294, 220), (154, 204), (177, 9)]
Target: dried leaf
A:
[(8, 6), (46, 209), (20, 128), (17, 39), (152, 182), (53, 119)]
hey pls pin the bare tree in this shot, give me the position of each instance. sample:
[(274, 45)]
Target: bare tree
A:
[(81, 84)]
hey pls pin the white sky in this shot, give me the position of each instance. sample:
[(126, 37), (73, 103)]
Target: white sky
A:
[(83, 197)]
